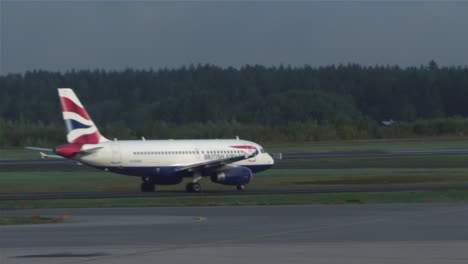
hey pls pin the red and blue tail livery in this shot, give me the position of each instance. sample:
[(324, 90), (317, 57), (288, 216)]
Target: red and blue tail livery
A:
[(79, 126)]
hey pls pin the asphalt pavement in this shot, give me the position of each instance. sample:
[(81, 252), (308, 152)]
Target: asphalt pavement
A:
[(361, 234)]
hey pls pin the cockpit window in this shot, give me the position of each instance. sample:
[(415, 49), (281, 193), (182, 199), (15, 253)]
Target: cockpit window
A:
[(262, 150)]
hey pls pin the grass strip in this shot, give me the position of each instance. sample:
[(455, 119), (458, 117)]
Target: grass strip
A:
[(449, 196), (18, 182)]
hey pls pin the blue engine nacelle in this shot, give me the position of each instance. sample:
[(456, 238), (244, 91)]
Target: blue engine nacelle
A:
[(234, 176)]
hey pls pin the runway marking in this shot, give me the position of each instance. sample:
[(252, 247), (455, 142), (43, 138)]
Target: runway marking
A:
[(199, 219), (63, 255)]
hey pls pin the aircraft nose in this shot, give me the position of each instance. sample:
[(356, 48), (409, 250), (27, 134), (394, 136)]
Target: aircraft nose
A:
[(270, 159)]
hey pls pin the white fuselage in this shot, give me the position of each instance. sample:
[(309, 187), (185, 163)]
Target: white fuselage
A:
[(140, 154)]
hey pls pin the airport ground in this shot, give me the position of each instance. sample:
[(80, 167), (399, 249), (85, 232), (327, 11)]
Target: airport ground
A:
[(305, 179), (361, 234), (416, 214)]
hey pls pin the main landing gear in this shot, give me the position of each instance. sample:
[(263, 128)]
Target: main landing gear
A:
[(147, 185), (193, 187)]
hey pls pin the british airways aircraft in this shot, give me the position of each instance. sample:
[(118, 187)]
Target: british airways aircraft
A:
[(158, 162)]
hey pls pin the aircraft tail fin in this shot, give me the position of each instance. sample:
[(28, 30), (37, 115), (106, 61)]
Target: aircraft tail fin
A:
[(79, 126)]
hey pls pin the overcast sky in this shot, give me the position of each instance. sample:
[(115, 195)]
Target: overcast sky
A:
[(61, 35)]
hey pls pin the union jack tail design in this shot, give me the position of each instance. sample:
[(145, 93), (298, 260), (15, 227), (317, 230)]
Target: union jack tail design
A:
[(80, 128)]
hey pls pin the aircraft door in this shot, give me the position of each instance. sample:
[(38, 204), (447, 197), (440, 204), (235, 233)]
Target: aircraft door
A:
[(116, 155), (253, 159)]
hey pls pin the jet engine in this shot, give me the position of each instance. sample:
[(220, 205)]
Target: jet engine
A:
[(234, 176)]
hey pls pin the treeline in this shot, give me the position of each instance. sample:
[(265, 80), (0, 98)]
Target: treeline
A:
[(342, 128), (265, 103), (251, 94)]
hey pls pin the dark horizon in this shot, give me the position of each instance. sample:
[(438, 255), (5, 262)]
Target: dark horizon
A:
[(175, 68)]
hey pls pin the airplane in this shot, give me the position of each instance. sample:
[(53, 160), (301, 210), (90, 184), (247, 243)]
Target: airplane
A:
[(157, 162)]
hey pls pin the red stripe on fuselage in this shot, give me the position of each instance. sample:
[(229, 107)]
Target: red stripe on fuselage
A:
[(243, 147), (69, 106)]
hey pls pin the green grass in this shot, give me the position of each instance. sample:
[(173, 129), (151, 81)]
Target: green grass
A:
[(327, 177), (18, 153), (244, 200), (27, 220), (96, 181)]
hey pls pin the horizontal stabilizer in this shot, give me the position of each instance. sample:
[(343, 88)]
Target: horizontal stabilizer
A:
[(40, 149), (46, 156)]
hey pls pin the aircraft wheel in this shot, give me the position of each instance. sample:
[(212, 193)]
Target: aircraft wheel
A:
[(196, 187), (240, 187), (147, 187), (193, 187)]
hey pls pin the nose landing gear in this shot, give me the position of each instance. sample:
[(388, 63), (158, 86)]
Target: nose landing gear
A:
[(147, 185), (240, 187)]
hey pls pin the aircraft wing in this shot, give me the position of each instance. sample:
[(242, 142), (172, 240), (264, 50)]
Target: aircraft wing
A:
[(89, 151), (212, 164)]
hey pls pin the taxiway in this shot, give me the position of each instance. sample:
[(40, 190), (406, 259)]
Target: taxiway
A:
[(396, 233)]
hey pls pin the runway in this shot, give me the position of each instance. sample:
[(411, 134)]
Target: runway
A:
[(373, 153), (360, 234), (270, 191)]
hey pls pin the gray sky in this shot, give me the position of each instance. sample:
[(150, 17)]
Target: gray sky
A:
[(55, 35)]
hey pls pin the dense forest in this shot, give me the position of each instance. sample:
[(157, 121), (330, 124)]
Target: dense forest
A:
[(272, 104)]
